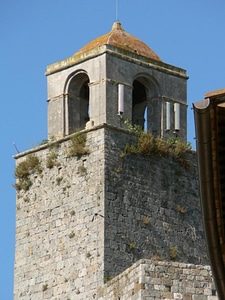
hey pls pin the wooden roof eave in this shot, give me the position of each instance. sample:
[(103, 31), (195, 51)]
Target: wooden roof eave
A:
[(207, 195)]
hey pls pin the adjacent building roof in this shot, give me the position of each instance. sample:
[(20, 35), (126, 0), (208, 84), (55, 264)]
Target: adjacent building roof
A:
[(210, 134), (121, 39)]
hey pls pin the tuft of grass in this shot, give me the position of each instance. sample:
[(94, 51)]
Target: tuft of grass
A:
[(108, 278), (72, 234), (132, 246), (58, 180), (44, 287), (118, 169), (78, 145), (133, 127), (146, 220), (173, 252), (44, 142), (23, 184), (52, 160), (148, 145), (181, 209), (27, 167)]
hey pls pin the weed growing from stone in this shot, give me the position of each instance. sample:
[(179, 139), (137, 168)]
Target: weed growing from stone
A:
[(118, 169), (108, 278), (58, 180), (52, 160), (26, 199), (27, 167), (181, 209), (44, 287), (132, 127), (173, 252), (44, 142), (146, 220), (78, 145), (71, 235), (148, 145), (132, 246), (72, 212)]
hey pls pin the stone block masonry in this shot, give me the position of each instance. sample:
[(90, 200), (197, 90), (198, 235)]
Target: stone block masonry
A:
[(156, 280), (152, 207), (59, 231), (86, 219)]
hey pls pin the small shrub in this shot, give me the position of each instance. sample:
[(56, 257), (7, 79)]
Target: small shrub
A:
[(168, 230), (26, 199), (71, 235), (44, 142), (173, 252), (162, 147), (146, 143), (78, 145), (58, 180), (88, 254), (118, 169), (133, 127), (23, 184), (72, 212), (130, 149), (27, 167), (132, 246), (44, 287), (108, 278), (181, 209), (146, 220), (52, 160)]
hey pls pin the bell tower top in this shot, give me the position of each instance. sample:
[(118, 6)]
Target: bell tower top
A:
[(119, 38), (113, 78)]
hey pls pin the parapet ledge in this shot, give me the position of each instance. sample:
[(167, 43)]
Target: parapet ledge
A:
[(60, 140)]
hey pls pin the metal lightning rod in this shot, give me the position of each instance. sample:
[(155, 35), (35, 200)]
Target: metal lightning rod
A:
[(117, 10)]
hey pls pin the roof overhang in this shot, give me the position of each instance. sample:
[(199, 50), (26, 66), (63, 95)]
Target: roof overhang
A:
[(209, 117), (78, 58)]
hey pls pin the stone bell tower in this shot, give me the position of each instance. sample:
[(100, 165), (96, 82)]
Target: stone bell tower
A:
[(95, 222), (116, 77)]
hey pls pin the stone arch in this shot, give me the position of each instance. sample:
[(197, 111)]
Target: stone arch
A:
[(145, 89), (77, 104)]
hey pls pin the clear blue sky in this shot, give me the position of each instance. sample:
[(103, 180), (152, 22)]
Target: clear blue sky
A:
[(34, 34)]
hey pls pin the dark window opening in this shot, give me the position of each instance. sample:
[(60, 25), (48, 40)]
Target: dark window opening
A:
[(139, 105), (78, 102)]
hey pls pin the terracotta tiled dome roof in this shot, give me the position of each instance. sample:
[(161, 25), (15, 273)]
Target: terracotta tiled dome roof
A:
[(119, 38)]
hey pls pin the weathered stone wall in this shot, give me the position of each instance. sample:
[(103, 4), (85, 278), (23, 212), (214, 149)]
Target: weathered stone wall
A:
[(156, 280), (85, 220), (59, 234), (152, 208)]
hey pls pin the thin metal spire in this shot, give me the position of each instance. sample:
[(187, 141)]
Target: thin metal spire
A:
[(117, 10)]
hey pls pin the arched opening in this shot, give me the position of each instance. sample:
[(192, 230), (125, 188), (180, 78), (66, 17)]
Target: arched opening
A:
[(78, 102), (139, 104)]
